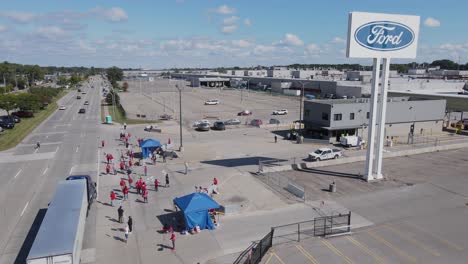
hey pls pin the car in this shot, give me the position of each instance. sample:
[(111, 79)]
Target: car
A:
[(7, 123), (165, 117), (62, 107), (23, 113), (82, 111), (212, 102), (79, 90), (232, 122), (244, 113), (280, 112), (203, 127), (86, 103), (78, 97), (274, 121), (256, 122), (83, 92), (204, 121), (11, 118), (325, 154), (219, 125)]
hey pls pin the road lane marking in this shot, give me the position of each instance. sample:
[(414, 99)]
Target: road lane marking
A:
[(276, 256), (18, 173), (24, 209), (414, 241), (45, 170), (77, 148), (336, 251), (307, 254), (388, 244), (98, 173), (366, 249), (442, 240)]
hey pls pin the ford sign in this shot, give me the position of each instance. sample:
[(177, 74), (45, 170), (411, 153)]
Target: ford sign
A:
[(384, 36)]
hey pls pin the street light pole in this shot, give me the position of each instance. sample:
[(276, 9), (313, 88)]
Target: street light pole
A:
[(181, 148), (300, 107)]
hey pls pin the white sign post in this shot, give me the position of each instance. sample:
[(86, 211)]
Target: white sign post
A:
[(381, 37)]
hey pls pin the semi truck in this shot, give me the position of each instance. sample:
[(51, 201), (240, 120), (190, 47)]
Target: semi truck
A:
[(60, 236)]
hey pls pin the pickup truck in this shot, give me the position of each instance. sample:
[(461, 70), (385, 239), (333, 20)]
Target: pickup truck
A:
[(325, 154)]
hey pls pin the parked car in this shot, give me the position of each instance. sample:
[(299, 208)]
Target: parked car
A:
[(350, 141), (256, 122), (212, 102), (22, 113), (7, 123), (165, 117), (274, 121), (325, 154), (78, 97), (203, 127), (244, 113), (62, 107), (203, 121), (11, 118), (86, 103), (219, 125), (232, 122), (82, 111), (280, 112)]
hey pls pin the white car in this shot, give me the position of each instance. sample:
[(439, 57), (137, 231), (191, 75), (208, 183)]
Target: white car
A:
[(211, 102), (62, 107), (204, 121), (325, 154), (280, 112)]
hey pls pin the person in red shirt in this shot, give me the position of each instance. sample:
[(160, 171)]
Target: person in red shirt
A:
[(143, 187), (122, 165), (215, 181), (108, 158), (138, 186), (112, 197), (156, 184), (130, 181), (125, 192), (130, 163), (145, 196), (173, 238), (108, 168), (122, 184)]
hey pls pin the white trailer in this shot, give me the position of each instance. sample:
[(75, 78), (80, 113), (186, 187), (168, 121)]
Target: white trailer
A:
[(60, 237)]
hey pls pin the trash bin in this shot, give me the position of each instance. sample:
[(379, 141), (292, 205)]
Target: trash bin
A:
[(332, 187), (108, 119)]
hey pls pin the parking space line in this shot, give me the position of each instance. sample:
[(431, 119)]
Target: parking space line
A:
[(24, 209), (412, 240), (366, 249), (45, 171), (276, 256), (16, 175), (388, 244), (442, 240), (307, 254), (336, 251)]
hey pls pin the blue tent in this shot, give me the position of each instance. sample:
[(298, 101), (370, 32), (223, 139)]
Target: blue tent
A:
[(195, 207), (149, 146)]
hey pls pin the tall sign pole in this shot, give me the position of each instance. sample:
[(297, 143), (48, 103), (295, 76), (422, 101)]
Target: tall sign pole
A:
[(380, 37)]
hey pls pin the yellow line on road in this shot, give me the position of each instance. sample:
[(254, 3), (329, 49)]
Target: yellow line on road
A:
[(366, 249), (307, 254), (388, 244), (269, 258), (414, 241), (442, 240), (336, 251)]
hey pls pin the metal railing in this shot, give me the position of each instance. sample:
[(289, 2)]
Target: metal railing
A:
[(255, 252)]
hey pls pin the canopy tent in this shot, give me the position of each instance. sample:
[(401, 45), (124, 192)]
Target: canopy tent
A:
[(195, 207), (149, 146)]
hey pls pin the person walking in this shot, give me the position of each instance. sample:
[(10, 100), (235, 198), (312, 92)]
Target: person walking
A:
[(145, 196), (186, 167), (167, 180), (103, 143), (143, 187), (120, 212), (130, 181), (38, 145), (122, 184), (138, 186), (125, 192), (122, 166), (164, 156), (173, 238), (130, 224), (125, 126), (276, 139), (126, 234), (108, 168), (145, 169), (156, 184), (215, 181), (112, 197)]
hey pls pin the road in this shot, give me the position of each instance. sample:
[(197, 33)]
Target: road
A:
[(69, 145)]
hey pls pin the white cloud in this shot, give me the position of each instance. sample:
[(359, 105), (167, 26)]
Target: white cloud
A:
[(247, 22), (229, 29), (230, 20), (51, 32), (3, 28), (261, 49), (313, 48), (176, 44), (85, 47), (338, 40), (19, 17), (431, 22), (113, 14), (225, 10), (290, 40), (241, 43)]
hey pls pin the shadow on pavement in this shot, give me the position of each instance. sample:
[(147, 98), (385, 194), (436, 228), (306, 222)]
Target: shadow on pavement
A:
[(174, 219), (30, 237), (331, 173), (241, 161)]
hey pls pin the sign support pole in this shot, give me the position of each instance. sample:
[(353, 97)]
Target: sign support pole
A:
[(372, 120), (382, 117)]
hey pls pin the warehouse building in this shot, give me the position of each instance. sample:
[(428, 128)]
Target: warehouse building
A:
[(330, 119)]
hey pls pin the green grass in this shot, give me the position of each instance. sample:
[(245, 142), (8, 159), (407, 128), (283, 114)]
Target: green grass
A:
[(119, 116), (12, 137)]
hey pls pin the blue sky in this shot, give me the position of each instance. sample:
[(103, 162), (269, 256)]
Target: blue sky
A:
[(210, 33)]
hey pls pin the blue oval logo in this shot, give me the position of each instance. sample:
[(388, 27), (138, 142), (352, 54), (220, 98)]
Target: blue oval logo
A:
[(384, 36)]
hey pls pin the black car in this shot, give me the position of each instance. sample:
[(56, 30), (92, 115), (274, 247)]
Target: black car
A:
[(5, 123), (78, 97), (12, 118), (82, 111), (219, 125)]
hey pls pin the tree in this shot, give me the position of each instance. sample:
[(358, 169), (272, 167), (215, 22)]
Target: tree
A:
[(125, 86), (8, 102), (75, 79), (27, 101), (114, 74), (62, 80), (445, 64)]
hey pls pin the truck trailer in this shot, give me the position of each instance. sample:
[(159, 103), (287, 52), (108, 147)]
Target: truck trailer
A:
[(60, 237)]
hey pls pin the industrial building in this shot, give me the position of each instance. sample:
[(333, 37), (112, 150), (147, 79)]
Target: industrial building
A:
[(210, 82), (330, 119)]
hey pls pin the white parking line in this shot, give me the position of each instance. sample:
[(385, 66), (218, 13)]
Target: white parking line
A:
[(18, 173), (57, 148), (70, 171), (24, 209), (77, 148), (45, 170)]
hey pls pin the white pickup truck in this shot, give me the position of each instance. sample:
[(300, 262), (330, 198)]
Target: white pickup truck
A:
[(325, 154)]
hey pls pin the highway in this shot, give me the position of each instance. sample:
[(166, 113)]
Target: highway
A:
[(69, 145)]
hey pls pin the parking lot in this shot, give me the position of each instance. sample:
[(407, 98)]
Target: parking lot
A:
[(161, 96)]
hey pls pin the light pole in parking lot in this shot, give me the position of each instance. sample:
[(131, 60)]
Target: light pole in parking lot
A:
[(301, 99), (181, 148)]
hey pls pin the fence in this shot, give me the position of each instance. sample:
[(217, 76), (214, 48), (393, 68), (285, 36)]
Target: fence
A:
[(321, 226), (281, 183)]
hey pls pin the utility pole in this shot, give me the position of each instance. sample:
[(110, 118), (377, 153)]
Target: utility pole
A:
[(300, 107), (181, 148)]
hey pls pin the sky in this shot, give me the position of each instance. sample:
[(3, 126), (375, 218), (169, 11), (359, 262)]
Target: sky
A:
[(157, 34)]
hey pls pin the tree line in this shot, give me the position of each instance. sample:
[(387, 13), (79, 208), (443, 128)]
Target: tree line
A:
[(34, 99)]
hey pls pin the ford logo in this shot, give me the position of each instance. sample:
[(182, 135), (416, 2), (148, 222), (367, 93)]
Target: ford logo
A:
[(384, 36)]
